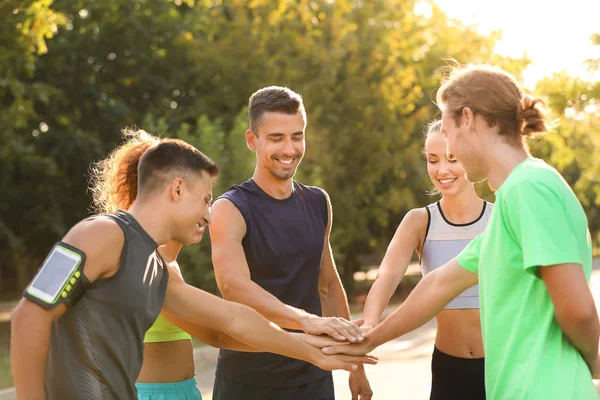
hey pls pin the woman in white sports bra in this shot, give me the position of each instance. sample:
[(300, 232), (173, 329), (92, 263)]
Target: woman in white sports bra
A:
[(438, 233)]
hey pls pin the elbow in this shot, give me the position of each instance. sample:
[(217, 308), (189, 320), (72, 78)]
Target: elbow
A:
[(580, 318), (212, 339), (231, 289), (237, 321), (325, 291)]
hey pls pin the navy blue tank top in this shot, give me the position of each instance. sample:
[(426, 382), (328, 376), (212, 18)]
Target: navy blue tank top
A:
[(283, 246)]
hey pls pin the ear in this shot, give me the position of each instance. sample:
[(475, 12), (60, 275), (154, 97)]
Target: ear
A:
[(468, 117), (250, 140), (176, 189)]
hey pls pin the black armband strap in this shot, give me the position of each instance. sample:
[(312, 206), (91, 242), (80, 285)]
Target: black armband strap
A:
[(60, 279)]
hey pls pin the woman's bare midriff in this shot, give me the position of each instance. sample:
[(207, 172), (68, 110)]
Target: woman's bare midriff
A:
[(167, 362), (459, 333)]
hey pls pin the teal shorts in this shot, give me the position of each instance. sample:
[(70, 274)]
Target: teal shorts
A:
[(186, 390)]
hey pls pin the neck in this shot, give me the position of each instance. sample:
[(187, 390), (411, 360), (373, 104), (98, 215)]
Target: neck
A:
[(274, 187), (170, 251), (156, 224), (502, 161), (464, 207)]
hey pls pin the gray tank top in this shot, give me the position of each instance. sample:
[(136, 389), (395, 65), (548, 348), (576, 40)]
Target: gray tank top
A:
[(445, 240), (96, 347)]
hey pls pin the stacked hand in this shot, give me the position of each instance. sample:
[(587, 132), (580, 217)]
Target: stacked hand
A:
[(319, 341), (366, 328), (359, 384), (335, 361), (353, 349), (342, 342), (337, 328)]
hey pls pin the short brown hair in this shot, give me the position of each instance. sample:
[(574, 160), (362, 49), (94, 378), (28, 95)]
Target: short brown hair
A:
[(273, 99), (495, 95), (167, 156), (114, 181)]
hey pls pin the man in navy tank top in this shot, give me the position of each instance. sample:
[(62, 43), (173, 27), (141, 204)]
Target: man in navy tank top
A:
[(271, 251)]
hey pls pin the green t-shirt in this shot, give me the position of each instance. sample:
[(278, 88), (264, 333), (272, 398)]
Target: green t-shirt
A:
[(537, 221)]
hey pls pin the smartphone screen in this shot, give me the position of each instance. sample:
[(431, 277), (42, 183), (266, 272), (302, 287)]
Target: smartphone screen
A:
[(54, 274)]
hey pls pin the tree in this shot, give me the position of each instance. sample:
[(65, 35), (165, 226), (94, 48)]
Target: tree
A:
[(24, 33), (573, 145)]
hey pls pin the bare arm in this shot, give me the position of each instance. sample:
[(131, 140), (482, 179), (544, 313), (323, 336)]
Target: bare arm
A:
[(188, 307), (233, 278), (426, 300), (331, 292), (334, 302), (574, 307), (406, 240), (101, 240), (218, 339), (29, 345)]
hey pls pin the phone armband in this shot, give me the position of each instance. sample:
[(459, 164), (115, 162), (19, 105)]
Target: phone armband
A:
[(60, 279)]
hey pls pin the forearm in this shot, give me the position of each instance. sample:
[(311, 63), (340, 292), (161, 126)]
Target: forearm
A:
[(29, 346), (584, 335), (219, 339), (378, 299), (212, 337), (257, 332), (252, 295), (334, 302), (205, 324), (225, 341), (209, 318), (428, 298)]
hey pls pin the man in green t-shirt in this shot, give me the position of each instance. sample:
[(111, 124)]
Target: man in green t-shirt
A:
[(533, 263)]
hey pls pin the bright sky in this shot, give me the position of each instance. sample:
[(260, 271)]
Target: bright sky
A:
[(554, 34)]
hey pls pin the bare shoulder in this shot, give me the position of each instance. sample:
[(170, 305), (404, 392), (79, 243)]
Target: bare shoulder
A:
[(96, 233), (417, 218), (329, 207), (414, 226), (226, 218), (224, 208), (102, 241)]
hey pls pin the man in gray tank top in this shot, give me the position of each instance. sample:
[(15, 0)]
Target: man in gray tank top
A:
[(86, 339)]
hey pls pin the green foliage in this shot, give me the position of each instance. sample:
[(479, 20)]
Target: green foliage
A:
[(73, 73), (573, 146)]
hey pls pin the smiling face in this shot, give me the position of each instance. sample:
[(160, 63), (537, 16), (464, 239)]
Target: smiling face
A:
[(445, 171), (192, 207), (279, 143), (464, 141)]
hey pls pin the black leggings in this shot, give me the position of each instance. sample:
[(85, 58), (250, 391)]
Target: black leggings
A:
[(455, 378)]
